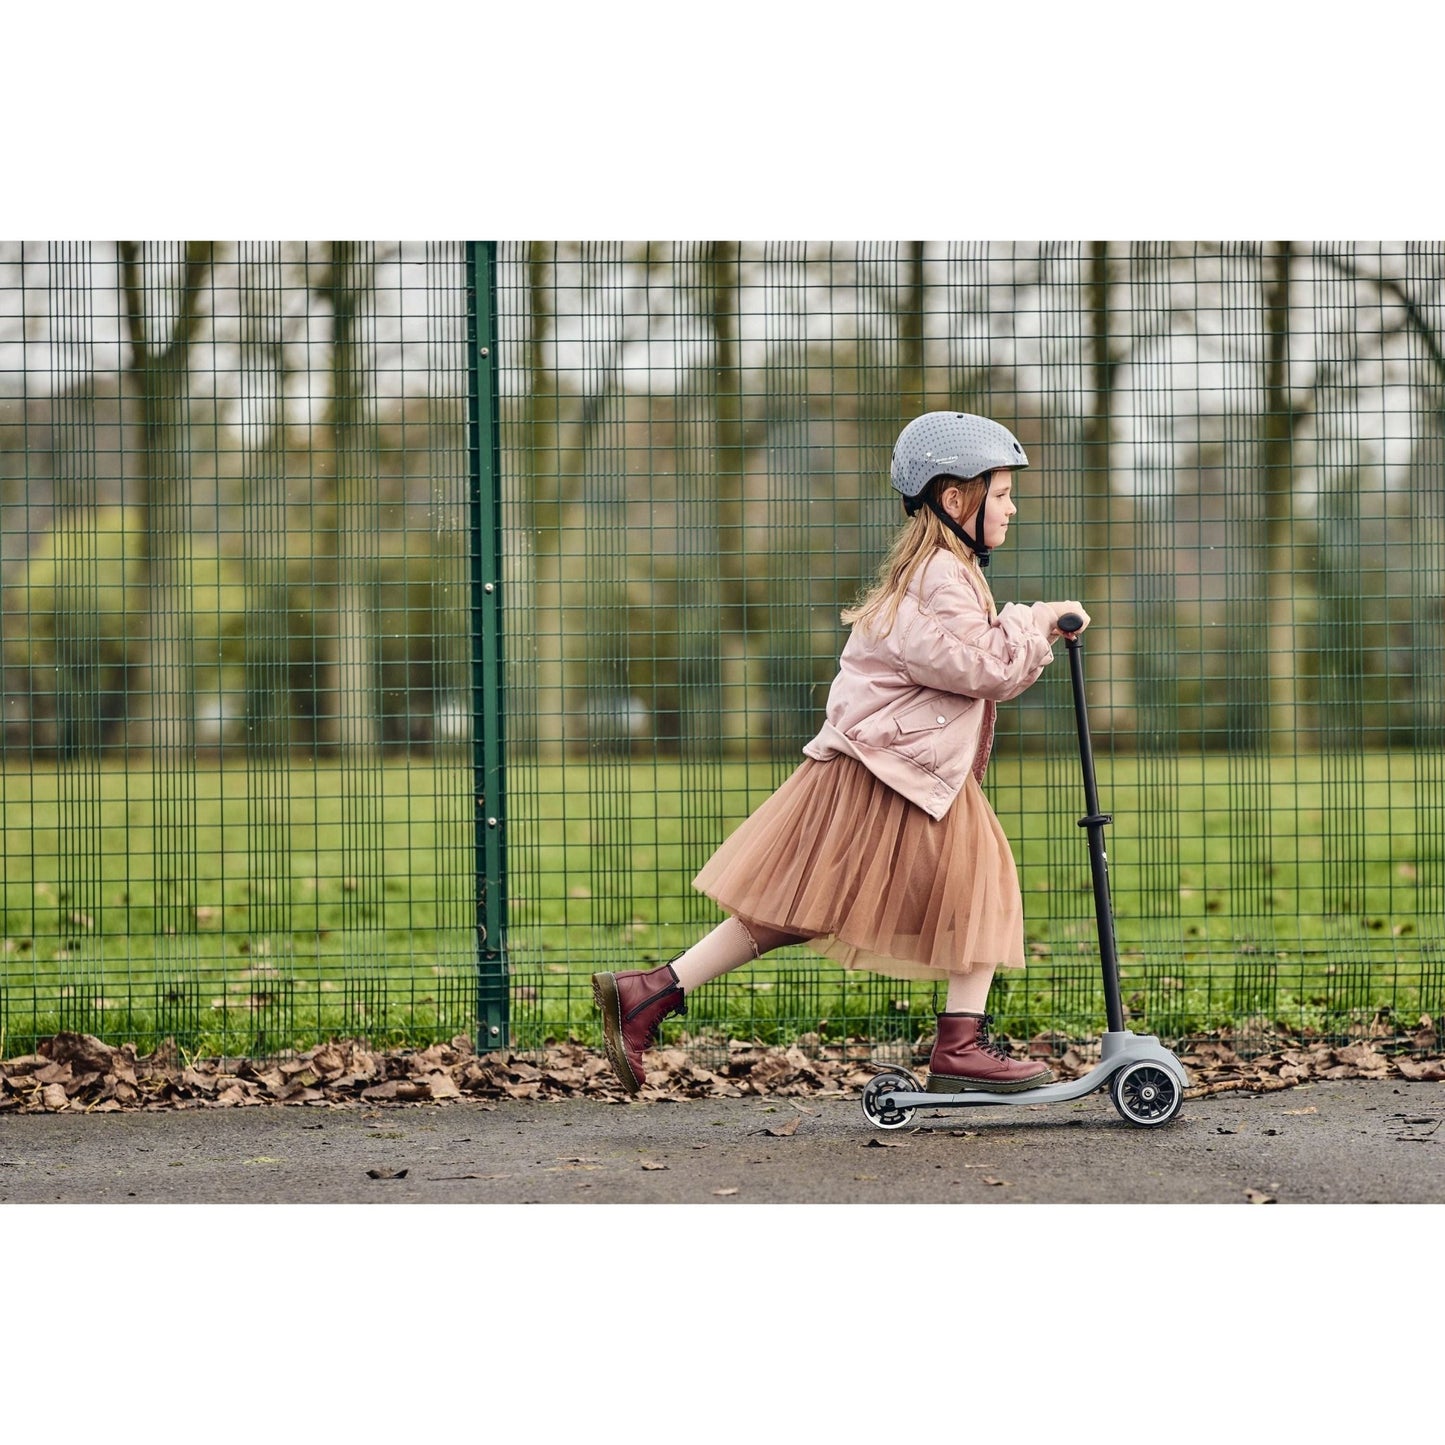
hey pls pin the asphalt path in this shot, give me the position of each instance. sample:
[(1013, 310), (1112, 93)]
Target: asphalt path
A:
[(1346, 1142)]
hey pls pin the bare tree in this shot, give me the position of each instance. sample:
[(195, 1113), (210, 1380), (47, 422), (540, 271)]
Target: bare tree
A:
[(158, 376), (1102, 524), (347, 505), (1279, 423), (722, 266), (558, 433), (266, 460)]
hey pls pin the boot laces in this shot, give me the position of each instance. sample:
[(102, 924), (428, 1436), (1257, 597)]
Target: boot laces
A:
[(988, 1043)]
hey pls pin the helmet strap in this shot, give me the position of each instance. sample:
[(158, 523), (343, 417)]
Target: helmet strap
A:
[(979, 548)]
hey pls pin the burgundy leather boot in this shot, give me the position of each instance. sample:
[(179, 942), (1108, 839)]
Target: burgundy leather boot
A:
[(964, 1057), (633, 1004)]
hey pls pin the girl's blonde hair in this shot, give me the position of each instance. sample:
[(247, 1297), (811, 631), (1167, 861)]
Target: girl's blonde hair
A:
[(877, 609)]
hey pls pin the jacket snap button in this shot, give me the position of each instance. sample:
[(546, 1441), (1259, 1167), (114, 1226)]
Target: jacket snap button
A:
[(941, 721)]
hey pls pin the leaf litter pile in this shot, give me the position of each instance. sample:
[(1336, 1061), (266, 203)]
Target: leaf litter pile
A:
[(78, 1072)]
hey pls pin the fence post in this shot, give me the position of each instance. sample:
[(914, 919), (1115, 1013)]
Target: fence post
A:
[(488, 791)]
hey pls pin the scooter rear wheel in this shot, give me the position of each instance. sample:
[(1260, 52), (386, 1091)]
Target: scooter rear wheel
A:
[(1146, 1094), (890, 1082)]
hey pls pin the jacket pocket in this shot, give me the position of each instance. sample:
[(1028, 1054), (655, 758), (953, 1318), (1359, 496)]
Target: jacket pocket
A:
[(923, 736), (932, 716)]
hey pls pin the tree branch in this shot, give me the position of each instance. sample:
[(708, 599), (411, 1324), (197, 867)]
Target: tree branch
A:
[(134, 310), (198, 258), (1394, 288)]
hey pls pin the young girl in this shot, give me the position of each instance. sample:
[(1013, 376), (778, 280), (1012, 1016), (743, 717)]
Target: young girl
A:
[(881, 851)]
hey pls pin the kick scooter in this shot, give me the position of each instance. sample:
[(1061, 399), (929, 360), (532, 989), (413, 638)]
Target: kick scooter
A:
[(1145, 1081)]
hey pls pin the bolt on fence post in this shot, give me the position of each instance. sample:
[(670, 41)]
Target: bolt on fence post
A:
[(488, 743)]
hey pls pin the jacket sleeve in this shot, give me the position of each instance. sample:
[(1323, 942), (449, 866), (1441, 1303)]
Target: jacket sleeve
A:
[(950, 644)]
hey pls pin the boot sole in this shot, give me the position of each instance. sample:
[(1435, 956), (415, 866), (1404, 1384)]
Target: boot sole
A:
[(941, 1084), (609, 1004)]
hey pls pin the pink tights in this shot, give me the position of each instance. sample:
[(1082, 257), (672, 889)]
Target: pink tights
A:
[(735, 942), (731, 943)]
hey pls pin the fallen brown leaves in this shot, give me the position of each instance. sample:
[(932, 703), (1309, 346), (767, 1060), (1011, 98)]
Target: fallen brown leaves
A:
[(76, 1072), (1215, 1067)]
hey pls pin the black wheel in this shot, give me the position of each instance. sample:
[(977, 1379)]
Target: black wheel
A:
[(1146, 1094), (893, 1081)]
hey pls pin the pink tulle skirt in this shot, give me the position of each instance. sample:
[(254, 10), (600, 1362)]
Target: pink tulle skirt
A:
[(871, 879)]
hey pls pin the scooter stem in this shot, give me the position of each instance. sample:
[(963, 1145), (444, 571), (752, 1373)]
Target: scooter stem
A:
[(1094, 822)]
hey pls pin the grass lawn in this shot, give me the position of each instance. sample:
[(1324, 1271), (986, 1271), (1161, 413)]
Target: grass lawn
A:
[(1302, 891), (238, 910), (244, 909)]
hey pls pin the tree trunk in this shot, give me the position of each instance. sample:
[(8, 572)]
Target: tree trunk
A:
[(163, 683), (349, 515), (1279, 560), (727, 401), (742, 666), (1106, 579), (159, 377), (910, 336), (557, 447), (265, 468)]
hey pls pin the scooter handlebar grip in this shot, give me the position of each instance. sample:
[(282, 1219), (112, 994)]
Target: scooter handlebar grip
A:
[(1069, 622)]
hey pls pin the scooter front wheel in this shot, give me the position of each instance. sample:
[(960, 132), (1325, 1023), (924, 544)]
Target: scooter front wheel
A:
[(882, 1116), (1146, 1094)]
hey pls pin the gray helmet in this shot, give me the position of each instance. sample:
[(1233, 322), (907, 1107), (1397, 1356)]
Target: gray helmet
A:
[(954, 444)]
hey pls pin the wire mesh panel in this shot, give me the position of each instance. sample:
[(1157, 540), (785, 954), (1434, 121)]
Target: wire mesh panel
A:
[(236, 714), (247, 549), (1237, 467)]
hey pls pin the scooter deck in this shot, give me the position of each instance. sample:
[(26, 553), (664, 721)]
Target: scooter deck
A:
[(1117, 1051)]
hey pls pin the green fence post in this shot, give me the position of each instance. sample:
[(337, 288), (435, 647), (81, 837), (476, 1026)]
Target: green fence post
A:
[(484, 471)]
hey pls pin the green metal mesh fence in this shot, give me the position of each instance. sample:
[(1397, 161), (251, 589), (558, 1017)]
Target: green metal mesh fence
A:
[(1237, 466), (236, 675), (262, 781)]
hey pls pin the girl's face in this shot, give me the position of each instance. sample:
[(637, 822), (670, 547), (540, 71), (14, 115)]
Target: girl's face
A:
[(998, 510)]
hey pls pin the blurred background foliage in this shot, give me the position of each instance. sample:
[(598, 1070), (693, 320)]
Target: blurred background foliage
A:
[(1237, 457)]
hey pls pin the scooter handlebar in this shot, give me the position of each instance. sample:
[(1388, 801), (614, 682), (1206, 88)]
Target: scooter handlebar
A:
[(1069, 623)]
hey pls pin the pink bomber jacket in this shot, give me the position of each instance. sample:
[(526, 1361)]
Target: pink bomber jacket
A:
[(916, 706)]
